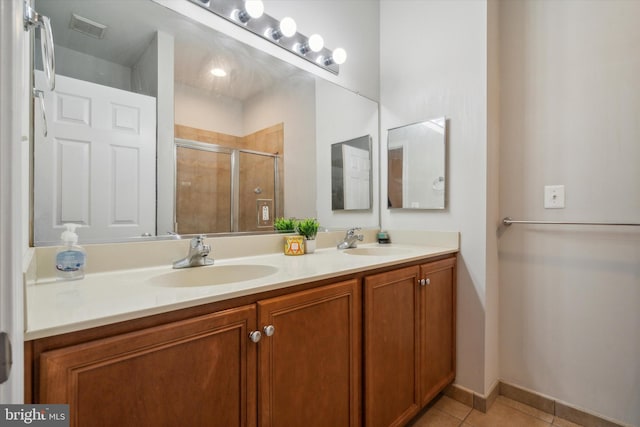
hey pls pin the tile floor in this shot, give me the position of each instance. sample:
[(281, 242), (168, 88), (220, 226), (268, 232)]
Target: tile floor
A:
[(446, 412)]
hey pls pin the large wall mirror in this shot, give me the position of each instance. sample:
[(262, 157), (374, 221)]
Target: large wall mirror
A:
[(416, 165), (147, 137)]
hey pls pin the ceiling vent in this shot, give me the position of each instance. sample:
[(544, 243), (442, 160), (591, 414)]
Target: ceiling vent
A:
[(87, 26)]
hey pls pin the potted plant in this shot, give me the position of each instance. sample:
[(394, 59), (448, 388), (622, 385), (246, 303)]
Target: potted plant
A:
[(285, 225), (308, 228)]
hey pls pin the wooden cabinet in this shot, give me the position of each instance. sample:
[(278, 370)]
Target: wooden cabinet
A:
[(438, 327), (204, 371), (391, 336), (197, 372), (309, 369), (409, 340), (199, 367)]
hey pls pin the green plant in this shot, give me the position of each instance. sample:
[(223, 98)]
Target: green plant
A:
[(285, 224), (308, 228)]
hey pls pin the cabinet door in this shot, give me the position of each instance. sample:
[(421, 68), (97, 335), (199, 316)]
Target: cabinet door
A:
[(196, 372), (438, 326), (391, 333), (309, 369)]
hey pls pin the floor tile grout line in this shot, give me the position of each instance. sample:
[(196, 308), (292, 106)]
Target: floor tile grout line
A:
[(549, 423)]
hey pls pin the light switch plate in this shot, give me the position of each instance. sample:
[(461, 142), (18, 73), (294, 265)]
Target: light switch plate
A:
[(554, 196)]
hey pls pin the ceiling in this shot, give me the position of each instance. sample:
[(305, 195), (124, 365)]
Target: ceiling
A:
[(132, 25)]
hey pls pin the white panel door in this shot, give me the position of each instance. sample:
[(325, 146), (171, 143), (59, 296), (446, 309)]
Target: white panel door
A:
[(356, 175), (96, 167)]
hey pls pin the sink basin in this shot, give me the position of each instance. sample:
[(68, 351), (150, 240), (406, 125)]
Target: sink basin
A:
[(212, 275), (376, 251)]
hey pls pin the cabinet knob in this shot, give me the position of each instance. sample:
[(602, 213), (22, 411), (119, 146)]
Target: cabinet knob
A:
[(424, 282), (255, 336), (269, 330), (427, 281)]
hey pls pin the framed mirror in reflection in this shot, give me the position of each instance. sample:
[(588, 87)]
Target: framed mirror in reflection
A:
[(161, 125), (351, 174), (416, 165)]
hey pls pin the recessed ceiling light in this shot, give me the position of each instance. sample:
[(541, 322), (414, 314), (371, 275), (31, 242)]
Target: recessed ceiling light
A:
[(218, 72)]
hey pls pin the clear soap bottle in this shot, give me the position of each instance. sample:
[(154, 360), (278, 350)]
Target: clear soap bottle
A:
[(70, 258)]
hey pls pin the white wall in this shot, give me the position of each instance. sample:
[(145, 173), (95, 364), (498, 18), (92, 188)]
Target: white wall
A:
[(164, 43), (570, 296), (85, 67), (434, 63), (200, 109), (144, 73), (342, 115)]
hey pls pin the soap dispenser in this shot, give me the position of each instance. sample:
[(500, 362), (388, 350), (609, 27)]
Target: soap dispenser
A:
[(70, 258)]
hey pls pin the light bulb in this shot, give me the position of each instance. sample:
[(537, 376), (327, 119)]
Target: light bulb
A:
[(218, 72), (255, 8), (288, 26), (316, 43), (339, 56)]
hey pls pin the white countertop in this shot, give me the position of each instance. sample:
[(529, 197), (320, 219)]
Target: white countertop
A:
[(56, 307)]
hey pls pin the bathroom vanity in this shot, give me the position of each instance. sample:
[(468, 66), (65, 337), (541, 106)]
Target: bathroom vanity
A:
[(334, 338)]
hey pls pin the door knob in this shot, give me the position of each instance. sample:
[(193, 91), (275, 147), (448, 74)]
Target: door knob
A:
[(255, 336), (269, 330)]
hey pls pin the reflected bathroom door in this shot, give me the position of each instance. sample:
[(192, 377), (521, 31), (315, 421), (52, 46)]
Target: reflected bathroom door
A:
[(203, 191), (395, 190), (257, 199)]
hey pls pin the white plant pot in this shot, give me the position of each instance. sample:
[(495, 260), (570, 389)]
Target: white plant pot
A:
[(309, 246)]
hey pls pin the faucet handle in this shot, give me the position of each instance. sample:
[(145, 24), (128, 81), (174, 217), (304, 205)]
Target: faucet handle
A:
[(352, 231), (198, 241)]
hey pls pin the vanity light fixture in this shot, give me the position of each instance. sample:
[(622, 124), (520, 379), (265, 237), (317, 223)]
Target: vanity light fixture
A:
[(250, 15), (316, 42), (338, 57), (287, 28), (253, 9)]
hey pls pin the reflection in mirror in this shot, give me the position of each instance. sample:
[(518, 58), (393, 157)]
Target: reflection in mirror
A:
[(111, 161), (222, 188), (416, 165), (351, 179)]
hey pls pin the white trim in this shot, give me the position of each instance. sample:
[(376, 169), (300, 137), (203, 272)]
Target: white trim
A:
[(12, 217)]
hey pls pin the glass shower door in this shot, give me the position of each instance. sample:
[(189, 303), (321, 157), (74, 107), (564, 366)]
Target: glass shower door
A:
[(203, 191), (257, 192)]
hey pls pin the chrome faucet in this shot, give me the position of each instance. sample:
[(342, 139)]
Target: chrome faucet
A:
[(197, 256), (351, 239)]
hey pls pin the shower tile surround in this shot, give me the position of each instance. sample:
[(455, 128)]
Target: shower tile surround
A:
[(194, 166), (116, 286)]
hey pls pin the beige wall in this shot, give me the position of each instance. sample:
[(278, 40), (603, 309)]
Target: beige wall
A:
[(570, 296)]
